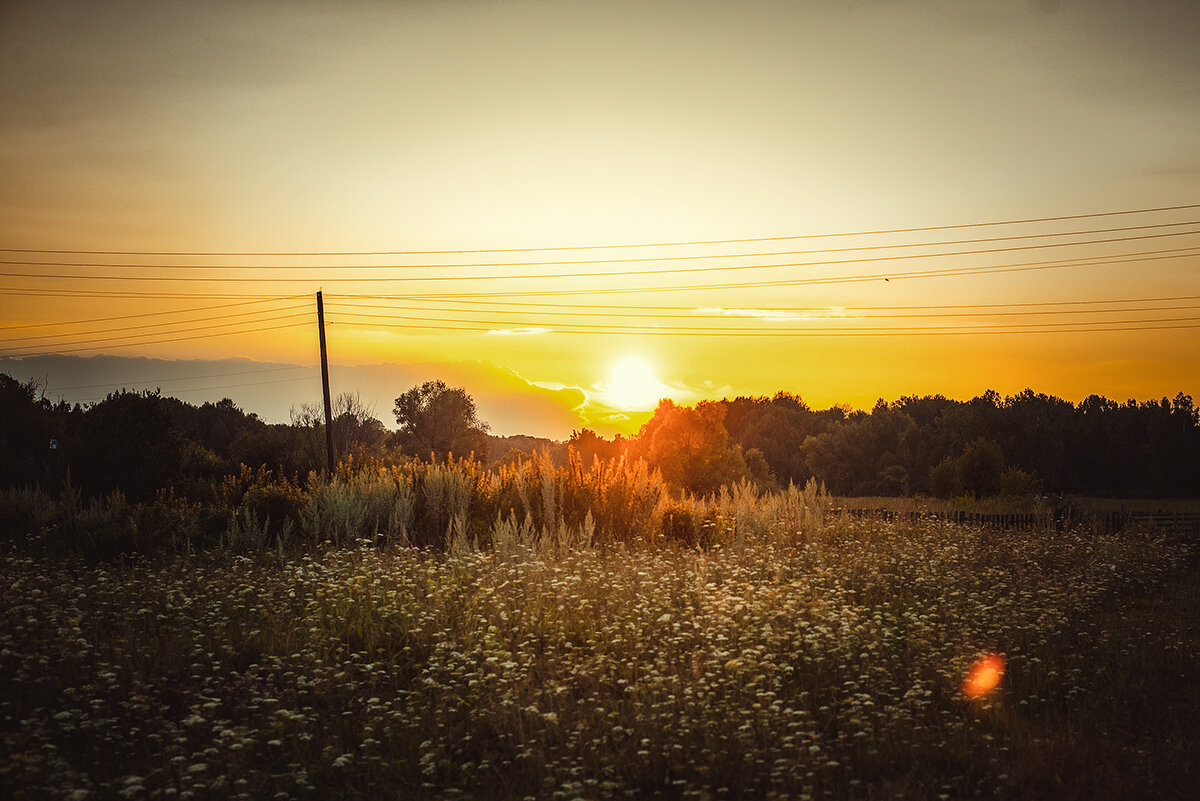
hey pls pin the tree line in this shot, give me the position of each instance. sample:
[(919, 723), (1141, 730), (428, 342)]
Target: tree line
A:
[(141, 443), (932, 445)]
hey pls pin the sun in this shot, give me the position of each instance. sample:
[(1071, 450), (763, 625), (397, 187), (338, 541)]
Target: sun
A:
[(633, 386)]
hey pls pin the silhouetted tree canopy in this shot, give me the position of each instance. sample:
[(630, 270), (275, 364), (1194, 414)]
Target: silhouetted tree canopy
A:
[(142, 442), (439, 420), (24, 432)]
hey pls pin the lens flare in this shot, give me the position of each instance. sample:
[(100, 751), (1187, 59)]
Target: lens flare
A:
[(984, 676)]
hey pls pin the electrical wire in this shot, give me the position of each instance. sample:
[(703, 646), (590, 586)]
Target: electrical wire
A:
[(178, 378), (1020, 328), (205, 389), (74, 349), (817, 313), (342, 314), (826, 280), (138, 316), (588, 307), (171, 332), (646, 259), (922, 229), (52, 292), (376, 319), (1045, 265), (693, 313), (159, 325)]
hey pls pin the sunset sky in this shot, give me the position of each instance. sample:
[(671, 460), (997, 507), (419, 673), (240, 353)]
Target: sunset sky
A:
[(566, 202)]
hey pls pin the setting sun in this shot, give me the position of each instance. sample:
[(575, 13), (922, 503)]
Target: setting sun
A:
[(633, 386)]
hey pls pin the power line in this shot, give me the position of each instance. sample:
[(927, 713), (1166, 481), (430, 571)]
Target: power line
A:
[(1143, 256), (694, 313), (1025, 221), (590, 306), (171, 329), (817, 312), (640, 259), (1189, 251), (953, 272), (157, 325), (136, 316), (207, 389), (74, 349), (1017, 328), (120, 294), (168, 332), (693, 257), (178, 378), (374, 320)]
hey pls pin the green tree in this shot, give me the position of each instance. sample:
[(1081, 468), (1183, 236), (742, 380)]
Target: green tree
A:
[(943, 478), (438, 420), (980, 468), (892, 481)]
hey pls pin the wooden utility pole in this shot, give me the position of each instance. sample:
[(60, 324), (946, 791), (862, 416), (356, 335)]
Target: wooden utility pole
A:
[(325, 387)]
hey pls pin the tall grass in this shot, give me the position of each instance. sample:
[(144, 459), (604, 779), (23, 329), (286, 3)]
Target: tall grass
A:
[(455, 505), (459, 505), (798, 660)]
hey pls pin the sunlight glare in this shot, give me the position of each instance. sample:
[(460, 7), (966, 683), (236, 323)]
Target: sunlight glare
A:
[(984, 676), (632, 385)]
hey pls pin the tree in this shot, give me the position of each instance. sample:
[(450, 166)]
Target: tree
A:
[(591, 446), (130, 441), (436, 420), (943, 478), (24, 432), (308, 443), (980, 468), (356, 430), (690, 446)]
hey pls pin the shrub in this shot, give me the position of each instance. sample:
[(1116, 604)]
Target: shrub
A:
[(25, 511), (277, 503), (1016, 483), (679, 523)]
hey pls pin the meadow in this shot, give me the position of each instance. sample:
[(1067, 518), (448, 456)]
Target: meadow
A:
[(794, 653)]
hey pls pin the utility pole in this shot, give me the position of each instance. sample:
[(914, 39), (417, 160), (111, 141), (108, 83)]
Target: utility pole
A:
[(325, 388)]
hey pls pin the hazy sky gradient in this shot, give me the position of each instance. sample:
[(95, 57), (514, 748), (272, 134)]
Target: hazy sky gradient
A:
[(438, 125)]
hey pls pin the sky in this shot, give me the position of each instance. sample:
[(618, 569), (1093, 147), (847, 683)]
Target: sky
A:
[(411, 136)]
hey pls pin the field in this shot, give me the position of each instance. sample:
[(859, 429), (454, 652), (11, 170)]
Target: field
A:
[(1083, 506), (825, 662)]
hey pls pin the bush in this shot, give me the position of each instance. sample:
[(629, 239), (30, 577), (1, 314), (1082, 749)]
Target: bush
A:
[(980, 467), (25, 511), (680, 524), (277, 503), (1016, 483), (943, 479)]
